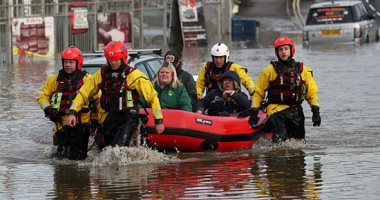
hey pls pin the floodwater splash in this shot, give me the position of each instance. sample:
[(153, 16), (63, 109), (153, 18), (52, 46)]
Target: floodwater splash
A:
[(266, 144), (131, 155), (49, 152)]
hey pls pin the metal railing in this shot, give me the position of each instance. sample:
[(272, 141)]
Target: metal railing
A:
[(88, 40), (148, 22)]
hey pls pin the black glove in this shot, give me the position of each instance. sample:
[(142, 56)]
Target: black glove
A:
[(52, 113), (253, 119), (316, 117)]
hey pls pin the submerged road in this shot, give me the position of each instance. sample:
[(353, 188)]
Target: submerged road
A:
[(278, 17)]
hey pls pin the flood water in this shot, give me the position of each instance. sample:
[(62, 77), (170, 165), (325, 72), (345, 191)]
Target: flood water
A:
[(341, 159)]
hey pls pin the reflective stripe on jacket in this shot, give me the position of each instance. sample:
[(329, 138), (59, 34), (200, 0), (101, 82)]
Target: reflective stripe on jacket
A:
[(47, 92), (136, 80)]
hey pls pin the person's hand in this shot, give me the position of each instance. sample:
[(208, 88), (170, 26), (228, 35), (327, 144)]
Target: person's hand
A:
[(160, 128), (316, 118), (52, 114), (71, 121), (228, 93), (199, 97), (199, 112), (254, 118)]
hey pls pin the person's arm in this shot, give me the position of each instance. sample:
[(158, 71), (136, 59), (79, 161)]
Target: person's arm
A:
[(312, 95), (246, 80), (200, 84), (242, 100), (184, 101), (189, 84), (261, 86), (87, 91), (205, 102), (312, 87), (47, 92), (139, 82)]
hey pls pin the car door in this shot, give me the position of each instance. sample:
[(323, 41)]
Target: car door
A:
[(369, 22)]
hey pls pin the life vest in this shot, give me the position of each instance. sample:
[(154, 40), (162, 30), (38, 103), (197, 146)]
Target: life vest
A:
[(115, 90), (66, 91), (211, 77), (288, 87)]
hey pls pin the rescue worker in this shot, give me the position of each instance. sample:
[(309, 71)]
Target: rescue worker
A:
[(210, 72), (288, 84), (121, 86), (55, 100), (185, 77), (227, 100)]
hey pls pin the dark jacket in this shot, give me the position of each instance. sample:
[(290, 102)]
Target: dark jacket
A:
[(216, 104), (185, 77), (188, 81)]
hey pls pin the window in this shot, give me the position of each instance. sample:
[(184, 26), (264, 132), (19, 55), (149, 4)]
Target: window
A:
[(154, 65), (330, 15), (141, 67)]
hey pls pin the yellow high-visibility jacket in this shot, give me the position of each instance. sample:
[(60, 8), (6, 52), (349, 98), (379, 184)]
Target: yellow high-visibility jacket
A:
[(136, 80), (47, 93), (241, 71), (269, 74)]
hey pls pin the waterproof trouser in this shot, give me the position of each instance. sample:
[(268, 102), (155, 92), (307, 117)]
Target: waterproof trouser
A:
[(72, 142), (286, 124), (120, 130)]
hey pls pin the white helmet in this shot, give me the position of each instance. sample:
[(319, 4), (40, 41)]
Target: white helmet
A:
[(220, 49)]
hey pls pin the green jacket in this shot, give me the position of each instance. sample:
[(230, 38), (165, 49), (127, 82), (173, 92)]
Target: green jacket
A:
[(172, 98)]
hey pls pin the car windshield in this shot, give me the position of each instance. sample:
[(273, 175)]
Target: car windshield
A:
[(329, 15)]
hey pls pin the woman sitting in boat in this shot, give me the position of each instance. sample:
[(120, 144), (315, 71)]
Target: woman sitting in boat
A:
[(171, 92), (227, 100)]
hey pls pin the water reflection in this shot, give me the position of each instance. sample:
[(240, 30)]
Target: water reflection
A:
[(282, 174), (274, 174), (71, 182)]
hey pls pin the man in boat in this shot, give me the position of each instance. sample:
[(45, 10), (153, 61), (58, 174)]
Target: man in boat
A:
[(226, 100), (211, 72), (185, 77), (120, 86), (287, 83), (55, 100)]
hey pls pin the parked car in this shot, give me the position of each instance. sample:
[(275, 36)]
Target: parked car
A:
[(339, 22), (147, 61)]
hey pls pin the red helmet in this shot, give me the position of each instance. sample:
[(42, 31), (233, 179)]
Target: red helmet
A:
[(116, 50), (73, 53), (282, 40)]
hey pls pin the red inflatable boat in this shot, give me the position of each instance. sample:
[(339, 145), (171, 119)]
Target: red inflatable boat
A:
[(191, 132)]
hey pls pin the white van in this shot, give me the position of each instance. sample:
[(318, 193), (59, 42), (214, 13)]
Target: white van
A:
[(339, 21)]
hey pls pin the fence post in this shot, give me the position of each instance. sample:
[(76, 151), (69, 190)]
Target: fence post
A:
[(94, 26), (66, 24), (8, 35), (141, 25), (165, 23)]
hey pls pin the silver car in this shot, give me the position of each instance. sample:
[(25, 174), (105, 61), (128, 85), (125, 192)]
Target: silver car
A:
[(147, 61), (339, 21)]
